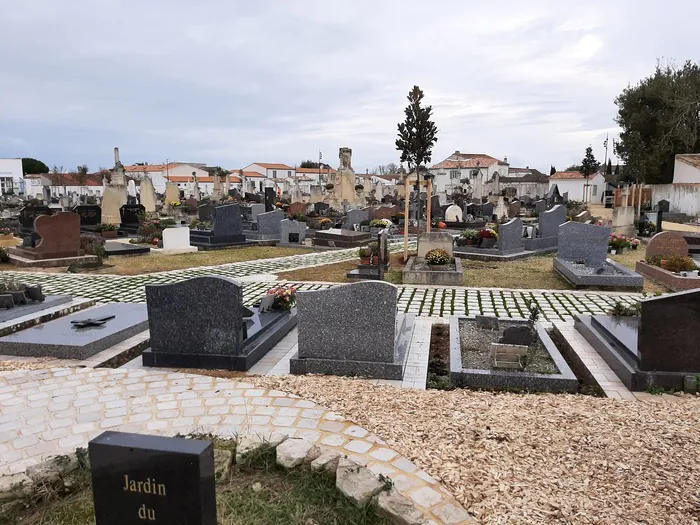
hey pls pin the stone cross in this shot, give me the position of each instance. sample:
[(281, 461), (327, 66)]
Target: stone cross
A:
[(85, 323)]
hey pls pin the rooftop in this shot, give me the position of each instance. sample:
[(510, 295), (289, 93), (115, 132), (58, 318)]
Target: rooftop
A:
[(692, 159), (566, 175), (273, 166), (524, 175), (468, 160)]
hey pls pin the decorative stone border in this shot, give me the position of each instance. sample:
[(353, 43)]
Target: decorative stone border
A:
[(564, 381)]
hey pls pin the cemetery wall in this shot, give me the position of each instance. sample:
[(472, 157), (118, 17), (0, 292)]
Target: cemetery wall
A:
[(684, 198)]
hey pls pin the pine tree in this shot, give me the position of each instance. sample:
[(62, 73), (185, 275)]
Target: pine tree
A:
[(589, 166), (617, 169), (552, 171), (608, 169)]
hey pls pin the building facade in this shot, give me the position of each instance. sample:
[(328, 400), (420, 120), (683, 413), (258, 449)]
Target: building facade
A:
[(578, 187), (472, 172), (520, 182), (11, 176)]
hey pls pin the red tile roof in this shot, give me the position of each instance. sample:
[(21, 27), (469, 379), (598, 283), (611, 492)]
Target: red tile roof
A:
[(252, 174), (566, 175), (189, 178), (315, 170), (148, 168), (273, 166), (692, 159)]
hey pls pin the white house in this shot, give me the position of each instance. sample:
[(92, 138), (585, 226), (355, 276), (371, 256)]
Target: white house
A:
[(476, 169), (271, 171), (11, 176), (686, 169), (520, 182), (577, 186), (63, 184), (160, 173), (318, 176)]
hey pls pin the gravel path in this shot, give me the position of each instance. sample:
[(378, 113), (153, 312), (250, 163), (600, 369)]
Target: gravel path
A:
[(529, 459)]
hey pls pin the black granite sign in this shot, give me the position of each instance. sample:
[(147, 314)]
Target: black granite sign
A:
[(139, 479), (90, 215), (29, 213), (130, 213)]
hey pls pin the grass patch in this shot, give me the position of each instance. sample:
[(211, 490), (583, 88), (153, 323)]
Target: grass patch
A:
[(258, 493), (144, 264), (336, 273)]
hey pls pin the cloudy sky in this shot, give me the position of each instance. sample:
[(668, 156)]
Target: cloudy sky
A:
[(229, 82)]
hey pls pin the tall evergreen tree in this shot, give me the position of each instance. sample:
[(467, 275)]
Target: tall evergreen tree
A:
[(589, 166), (417, 134), (552, 171), (608, 169), (617, 169)]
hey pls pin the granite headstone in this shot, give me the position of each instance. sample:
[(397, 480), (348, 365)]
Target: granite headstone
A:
[(551, 219), (292, 232), (514, 209), (356, 217), (433, 240), (28, 213), (269, 199), (583, 242), (510, 235), (206, 212), (540, 206), (130, 213), (487, 209), (667, 244), (227, 220), (664, 206), (90, 215), (269, 222), (297, 207)]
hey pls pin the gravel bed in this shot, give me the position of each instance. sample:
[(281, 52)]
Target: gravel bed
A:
[(587, 270), (476, 353), (534, 459)]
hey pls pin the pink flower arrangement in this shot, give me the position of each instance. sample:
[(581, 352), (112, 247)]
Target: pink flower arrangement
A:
[(285, 297)]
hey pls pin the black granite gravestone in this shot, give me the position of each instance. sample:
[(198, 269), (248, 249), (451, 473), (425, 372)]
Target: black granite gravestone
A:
[(664, 206), (220, 333), (139, 479), (90, 214), (206, 212), (269, 199), (226, 231), (29, 213), (130, 213)]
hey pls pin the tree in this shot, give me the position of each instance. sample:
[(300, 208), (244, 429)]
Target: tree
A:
[(30, 165), (416, 137), (574, 167), (308, 164), (617, 169), (81, 174), (552, 171), (589, 166), (659, 117), (608, 169), (58, 177), (417, 134)]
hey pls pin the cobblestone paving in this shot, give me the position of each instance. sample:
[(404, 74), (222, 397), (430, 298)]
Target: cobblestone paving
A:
[(44, 413), (423, 301)]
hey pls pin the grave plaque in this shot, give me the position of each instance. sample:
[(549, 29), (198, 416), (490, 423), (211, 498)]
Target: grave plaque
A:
[(90, 215), (584, 243), (510, 236), (550, 221), (269, 199), (29, 213), (663, 206), (667, 244), (138, 479), (130, 213)]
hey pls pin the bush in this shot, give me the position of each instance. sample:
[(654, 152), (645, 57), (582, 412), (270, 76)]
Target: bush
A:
[(680, 264), (104, 227), (196, 224), (654, 260), (93, 245), (374, 247), (4, 255), (437, 256)]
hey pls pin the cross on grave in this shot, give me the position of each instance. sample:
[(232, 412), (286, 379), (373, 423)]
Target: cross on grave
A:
[(86, 323)]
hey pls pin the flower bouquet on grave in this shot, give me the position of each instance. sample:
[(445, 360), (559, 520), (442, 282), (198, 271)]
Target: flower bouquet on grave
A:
[(285, 297), (437, 257), (617, 243), (487, 237), (634, 243)]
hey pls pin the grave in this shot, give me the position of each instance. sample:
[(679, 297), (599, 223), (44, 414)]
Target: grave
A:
[(292, 232), (584, 216), (354, 218), (623, 220), (582, 258), (205, 212), (147, 195), (28, 214), (667, 245), (547, 232), (297, 207), (487, 210), (59, 244), (336, 238), (321, 208), (657, 349), (61, 337), (384, 212), (90, 216), (220, 333), (417, 271), (123, 248), (129, 214), (375, 272), (453, 214), (226, 231), (540, 206), (663, 206), (177, 240), (514, 209), (269, 199), (267, 226), (352, 330), (24, 306), (137, 478)]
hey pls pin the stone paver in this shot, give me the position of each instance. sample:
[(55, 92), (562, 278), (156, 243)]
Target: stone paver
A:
[(53, 411)]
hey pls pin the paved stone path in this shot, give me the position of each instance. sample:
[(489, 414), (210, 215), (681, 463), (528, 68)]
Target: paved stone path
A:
[(44, 413)]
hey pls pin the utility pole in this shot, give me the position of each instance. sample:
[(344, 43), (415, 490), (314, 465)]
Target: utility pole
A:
[(320, 156)]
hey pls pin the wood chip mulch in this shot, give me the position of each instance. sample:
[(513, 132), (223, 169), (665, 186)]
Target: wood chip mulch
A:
[(526, 458)]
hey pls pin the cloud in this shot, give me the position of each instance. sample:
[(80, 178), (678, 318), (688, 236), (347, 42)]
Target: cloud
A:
[(231, 83)]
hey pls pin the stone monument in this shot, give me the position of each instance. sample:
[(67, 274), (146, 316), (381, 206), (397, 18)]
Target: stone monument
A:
[(344, 182), (147, 194), (115, 193)]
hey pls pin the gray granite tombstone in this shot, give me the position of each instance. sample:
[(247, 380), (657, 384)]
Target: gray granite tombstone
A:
[(292, 232), (356, 217), (255, 210), (583, 242), (550, 221), (352, 329), (540, 206), (227, 220), (517, 335), (669, 332), (219, 331), (510, 236), (514, 209), (487, 209), (565, 197), (206, 212), (269, 222)]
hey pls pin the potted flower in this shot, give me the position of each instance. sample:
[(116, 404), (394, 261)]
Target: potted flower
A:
[(108, 231), (487, 237), (437, 259), (468, 238), (374, 248), (634, 243), (617, 243), (285, 297), (325, 223), (365, 254)]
